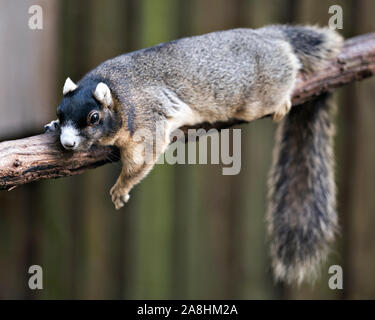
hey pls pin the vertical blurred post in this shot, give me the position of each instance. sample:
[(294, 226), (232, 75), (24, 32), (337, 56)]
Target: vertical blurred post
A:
[(356, 173), (27, 91), (126, 32), (27, 64), (183, 189), (152, 256), (73, 57)]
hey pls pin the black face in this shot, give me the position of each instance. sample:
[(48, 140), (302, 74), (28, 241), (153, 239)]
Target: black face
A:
[(83, 120)]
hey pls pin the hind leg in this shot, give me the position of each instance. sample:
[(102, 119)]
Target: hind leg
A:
[(282, 109)]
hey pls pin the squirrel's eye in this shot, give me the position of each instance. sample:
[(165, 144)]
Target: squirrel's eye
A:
[(93, 118)]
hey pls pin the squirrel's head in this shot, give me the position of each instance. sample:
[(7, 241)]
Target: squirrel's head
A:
[(86, 114)]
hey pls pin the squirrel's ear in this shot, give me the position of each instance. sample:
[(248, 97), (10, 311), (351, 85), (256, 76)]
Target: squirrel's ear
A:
[(103, 94), (69, 86)]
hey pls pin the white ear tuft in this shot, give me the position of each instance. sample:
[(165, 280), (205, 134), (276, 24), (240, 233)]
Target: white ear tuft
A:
[(103, 94), (69, 86)]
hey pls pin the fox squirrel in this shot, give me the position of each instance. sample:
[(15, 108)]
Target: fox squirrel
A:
[(241, 74)]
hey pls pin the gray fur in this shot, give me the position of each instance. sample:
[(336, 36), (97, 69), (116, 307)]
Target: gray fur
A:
[(222, 75)]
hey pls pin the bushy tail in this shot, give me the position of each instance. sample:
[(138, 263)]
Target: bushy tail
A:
[(302, 218)]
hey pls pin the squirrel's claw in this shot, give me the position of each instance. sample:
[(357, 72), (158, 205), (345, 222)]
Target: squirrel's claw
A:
[(52, 126), (282, 110), (119, 197)]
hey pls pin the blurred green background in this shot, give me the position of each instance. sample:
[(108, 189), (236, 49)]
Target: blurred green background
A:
[(188, 232)]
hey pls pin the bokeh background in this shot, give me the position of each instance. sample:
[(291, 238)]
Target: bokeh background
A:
[(188, 231)]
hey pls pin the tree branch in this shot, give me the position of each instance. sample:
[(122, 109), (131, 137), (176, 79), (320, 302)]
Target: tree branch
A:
[(42, 157)]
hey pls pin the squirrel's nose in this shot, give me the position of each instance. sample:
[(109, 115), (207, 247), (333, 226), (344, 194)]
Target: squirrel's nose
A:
[(69, 144), (69, 137)]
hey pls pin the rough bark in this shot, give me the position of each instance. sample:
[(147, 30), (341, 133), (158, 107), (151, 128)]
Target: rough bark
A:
[(42, 157)]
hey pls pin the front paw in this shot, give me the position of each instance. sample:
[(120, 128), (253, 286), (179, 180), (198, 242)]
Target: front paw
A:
[(119, 196), (52, 126)]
